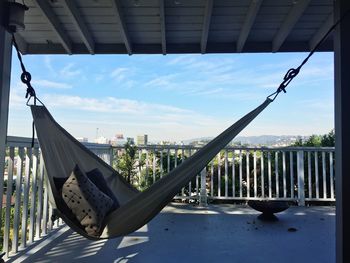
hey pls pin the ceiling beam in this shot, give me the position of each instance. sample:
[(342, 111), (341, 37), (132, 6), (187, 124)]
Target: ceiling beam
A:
[(321, 31), (80, 25), (122, 25), (119, 48), (162, 25), (292, 18), (206, 24), (248, 23), (52, 20)]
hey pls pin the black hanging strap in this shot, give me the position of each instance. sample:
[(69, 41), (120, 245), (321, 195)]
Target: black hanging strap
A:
[(293, 72), (26, 77)]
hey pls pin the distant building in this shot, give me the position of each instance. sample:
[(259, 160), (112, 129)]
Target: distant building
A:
[(102, 140), (142, 139), (82, 139), (118, 140), (119, 136)]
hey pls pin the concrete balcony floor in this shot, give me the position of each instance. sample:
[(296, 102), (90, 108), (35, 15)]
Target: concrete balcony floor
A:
[(217, 233)]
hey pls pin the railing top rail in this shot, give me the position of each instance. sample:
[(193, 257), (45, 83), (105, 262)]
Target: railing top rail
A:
[(230, 148), (15, 141)]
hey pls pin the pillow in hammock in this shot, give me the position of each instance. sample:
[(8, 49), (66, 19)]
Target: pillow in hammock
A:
[(98, 179), (86, 201)]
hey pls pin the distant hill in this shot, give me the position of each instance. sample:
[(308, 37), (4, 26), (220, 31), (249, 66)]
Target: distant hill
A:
[(265, 140)]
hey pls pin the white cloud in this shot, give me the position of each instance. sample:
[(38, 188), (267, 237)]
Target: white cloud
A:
[(70, 70), (120, 74), (43, 83), (162, 81), (109, 105), (161, 121)]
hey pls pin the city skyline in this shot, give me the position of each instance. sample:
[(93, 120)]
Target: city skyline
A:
[(175, 97)]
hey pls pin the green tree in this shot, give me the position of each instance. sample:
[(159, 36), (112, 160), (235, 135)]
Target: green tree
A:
[(326, 140), (127, 162)]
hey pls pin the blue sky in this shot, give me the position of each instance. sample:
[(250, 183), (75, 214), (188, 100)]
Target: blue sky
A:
[(175, 97)]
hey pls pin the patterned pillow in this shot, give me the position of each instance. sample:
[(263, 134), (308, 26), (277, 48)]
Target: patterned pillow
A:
[(96, 177), (86, 201)]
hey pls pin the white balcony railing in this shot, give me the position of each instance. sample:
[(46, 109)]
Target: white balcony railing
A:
[(237, 173), (246, 173)]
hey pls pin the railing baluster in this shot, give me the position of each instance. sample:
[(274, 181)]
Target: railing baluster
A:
[(255, 177), (212, 178), (40, 198), (233, 175), (269, 173), (262, 175), (190, 183), (161, 163), (182, 160), (175, 157), (284, 174), (139, 162), (301, 177), (147, 164), (9, 189), (331, 174), (316, 176), (168, 157), (291, 167), (33, 196), (219, 174), (324, 175), (17, 200), (248, 173), (226, 174), (277, 175), (154, 165), (309, 174), (240, 174), (197, 186), (45, 205), (50, 223), (26, 197)]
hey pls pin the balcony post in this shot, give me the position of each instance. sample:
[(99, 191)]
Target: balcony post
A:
[(5, 73), (301, 181), (342, 129), (203, 193)]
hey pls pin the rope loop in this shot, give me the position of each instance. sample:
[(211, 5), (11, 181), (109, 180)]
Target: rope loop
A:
[(26, 77), (291, 73)]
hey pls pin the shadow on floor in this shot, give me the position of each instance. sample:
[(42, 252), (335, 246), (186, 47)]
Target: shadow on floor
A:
[(185, 233)]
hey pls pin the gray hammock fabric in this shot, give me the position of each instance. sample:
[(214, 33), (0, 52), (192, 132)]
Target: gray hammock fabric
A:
[(61, 152)]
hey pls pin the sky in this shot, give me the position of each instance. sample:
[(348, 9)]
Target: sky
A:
[(175, 97)]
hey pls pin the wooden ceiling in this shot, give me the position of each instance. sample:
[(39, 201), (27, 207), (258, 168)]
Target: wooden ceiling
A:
[(174, 26)]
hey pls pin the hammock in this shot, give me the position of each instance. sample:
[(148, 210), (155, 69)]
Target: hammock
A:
[(62, 152)]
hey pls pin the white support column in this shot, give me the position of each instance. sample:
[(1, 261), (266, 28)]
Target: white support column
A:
[(5, 72), (342, 130)]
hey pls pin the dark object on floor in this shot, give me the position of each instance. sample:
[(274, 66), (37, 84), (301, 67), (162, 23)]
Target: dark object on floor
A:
[(292, 229), (268, 208)]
